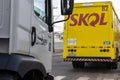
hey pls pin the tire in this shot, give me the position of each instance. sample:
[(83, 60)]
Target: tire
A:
[(8, 77), (112, 65), (108, 65), (77, 64), (81, 64), (33, 75)]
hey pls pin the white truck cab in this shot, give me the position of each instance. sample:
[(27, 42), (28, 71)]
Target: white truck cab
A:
[(26, 38)]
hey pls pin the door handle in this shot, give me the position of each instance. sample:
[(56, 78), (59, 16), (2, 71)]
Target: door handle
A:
[(33, 36)]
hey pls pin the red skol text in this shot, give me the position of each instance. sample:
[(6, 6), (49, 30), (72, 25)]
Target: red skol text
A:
[(78, 20)]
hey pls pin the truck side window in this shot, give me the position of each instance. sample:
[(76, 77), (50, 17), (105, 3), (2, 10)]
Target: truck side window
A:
[(39, 9)]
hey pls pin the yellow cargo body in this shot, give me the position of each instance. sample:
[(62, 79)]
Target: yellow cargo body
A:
[(91, 33)]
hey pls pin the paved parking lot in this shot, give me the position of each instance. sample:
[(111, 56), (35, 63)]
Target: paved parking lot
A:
[(64, 71)]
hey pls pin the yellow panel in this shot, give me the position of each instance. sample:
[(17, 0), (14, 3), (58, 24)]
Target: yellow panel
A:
[(90, 25)]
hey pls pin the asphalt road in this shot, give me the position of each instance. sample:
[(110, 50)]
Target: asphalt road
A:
[(64, 71)]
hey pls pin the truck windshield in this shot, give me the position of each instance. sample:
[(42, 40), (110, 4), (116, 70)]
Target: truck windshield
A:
[(39, 8)]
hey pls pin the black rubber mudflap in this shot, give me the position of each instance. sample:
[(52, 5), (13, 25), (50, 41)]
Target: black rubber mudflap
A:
[(49, 77)]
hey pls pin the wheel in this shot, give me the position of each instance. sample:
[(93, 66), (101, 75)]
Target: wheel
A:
[(33, 75), (8, 77), (81, 64), (108, 65), (112, 65), (75, 64)]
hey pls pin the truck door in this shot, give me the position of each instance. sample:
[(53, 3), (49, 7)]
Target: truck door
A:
[(39, 34)]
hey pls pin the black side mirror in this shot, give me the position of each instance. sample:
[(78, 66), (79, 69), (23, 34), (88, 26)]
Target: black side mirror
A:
[(67, 7)]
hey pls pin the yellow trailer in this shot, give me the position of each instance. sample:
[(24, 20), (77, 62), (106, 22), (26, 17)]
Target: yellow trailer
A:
[(92, 35)]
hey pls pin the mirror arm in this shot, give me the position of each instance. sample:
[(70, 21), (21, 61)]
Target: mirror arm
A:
[(61, 20)]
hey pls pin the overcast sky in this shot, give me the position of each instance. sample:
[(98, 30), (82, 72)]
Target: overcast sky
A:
[(56, 4)]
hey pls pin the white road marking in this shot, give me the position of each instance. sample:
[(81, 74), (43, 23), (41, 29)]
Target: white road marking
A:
[(83, 78), (99, 78), (59, 77), (108, 79)]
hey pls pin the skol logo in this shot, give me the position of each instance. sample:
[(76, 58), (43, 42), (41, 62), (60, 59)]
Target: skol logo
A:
[(85, 19)]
